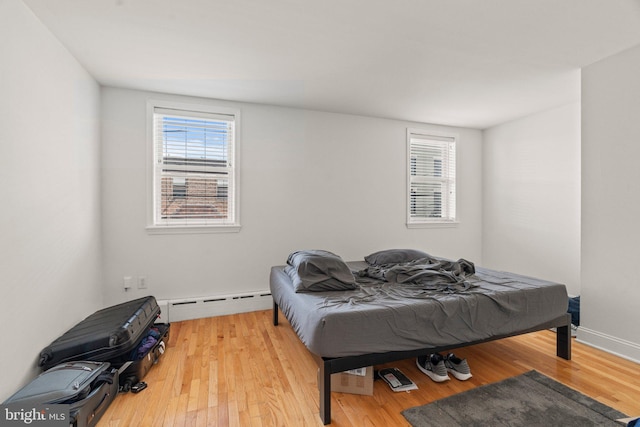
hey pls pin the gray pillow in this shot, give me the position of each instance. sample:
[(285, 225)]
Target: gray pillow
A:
[(318, 270), (394, 256)]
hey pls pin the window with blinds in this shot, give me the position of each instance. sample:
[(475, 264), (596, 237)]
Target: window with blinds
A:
[(431, 178), (194, 172)]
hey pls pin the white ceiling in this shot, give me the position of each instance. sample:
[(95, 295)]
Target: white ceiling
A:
[(472, 63)]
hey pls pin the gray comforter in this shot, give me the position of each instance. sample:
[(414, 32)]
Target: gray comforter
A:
[(430, 273)]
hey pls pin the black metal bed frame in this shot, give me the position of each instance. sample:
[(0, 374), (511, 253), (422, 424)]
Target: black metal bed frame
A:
[(332, 365)]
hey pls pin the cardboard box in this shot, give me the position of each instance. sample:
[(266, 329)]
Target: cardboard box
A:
[(357, 381)]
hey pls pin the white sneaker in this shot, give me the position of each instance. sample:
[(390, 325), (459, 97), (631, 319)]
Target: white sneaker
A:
[(433, 366), (459, 368)]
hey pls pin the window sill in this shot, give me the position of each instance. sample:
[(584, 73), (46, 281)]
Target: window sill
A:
[(443, 224), (192, 229)]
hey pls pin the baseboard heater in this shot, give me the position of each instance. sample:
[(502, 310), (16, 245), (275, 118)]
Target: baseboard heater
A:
[(219, 305)]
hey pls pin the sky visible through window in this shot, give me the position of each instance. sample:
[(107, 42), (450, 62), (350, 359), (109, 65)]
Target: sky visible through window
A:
[(195, 139)]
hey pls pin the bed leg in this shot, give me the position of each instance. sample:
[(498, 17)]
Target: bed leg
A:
[(324, 386), (275, 314), (563, 342)]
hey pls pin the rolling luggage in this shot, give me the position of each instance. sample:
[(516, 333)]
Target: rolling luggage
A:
[(145, 356), (110, 334), (86, 388)]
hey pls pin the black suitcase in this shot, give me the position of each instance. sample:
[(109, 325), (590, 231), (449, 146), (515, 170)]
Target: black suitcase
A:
[(109, 334), (85, 388), (141, 361)]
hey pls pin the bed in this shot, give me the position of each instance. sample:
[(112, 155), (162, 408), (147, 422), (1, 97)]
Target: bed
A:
[(363, 313)]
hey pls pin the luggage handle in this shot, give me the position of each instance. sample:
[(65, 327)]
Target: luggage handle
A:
[(44, 358), (98, 408)]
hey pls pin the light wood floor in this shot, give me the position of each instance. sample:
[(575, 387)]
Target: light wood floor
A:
[(240, 370)]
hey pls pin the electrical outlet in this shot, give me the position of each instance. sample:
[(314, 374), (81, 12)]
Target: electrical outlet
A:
[(142, 282), (127, 282)]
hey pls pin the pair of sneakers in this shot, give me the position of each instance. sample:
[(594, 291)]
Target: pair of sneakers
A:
[(437, 367)]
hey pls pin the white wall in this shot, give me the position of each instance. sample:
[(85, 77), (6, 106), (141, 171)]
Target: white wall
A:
[(611, 204), (49, 169), (308, 180), (531, 204)]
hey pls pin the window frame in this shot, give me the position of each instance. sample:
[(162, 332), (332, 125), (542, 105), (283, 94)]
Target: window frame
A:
[(232, 224), (445, 138)]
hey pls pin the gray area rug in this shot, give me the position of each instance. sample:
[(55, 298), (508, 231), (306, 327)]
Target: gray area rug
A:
[(530, 399)]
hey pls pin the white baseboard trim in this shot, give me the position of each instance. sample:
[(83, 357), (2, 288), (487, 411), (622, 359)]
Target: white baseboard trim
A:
[(177, 310), (614, 345)]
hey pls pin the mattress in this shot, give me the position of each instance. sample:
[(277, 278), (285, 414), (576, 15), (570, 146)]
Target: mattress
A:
[(380, 317)]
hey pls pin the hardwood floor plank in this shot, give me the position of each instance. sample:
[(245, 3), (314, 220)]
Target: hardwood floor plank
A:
[(240, 370)]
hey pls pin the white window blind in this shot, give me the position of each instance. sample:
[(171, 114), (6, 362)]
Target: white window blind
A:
[(431, 178), (194, 168)]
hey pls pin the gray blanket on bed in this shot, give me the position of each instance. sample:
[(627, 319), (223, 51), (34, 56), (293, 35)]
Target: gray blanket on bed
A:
[(430, 273)]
